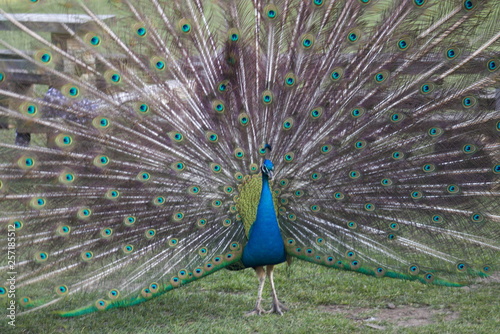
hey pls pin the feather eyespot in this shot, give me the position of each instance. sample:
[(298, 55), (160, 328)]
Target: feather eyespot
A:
[(354, 174), (18, 225), (318, 3), (354, 35), (63, 230), (178, 216), (307, 41), (427, 88), (413, 269), (212, 137), (453, 189), (244, 119), (106, 232), (316, 113), (184, 26), (216, 203), (64, 140), (492, 65), (38, 203), (61, 290), (29, 109), (381, 76), (394, 226), (404, 44), (26, 162), (435, 132), (218, 106), (357, 112), (239, 153), (469, 149), (336, 74), (176, 136), (288, 157), (271, 11), (140, 30), (142, 108), (437, 219), (127, 249), (453, 52), (92, 39), (496, 169), (45, 57), (315, 208), (233, 35), (469, 4), (178, 166), (267, 97), (41, 257), (477, 218), (338, 196), (386, 182), (469, 102), (216, 168), (416, 194), (360, 144), (369, 207), (290, 79), (203, 251), (198, 272), (194, 190), (86, 255), (288, 123), (397, 155), (222, 87), (101, 304), (427, 168), (150, 233), (326, 149)]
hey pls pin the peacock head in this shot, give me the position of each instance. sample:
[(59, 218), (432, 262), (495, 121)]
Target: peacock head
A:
[(267, 168)]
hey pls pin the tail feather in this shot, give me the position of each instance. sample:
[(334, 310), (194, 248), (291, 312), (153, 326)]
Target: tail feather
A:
[(379, 117)]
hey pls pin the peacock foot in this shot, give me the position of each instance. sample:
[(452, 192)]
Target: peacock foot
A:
[(278, 307), (256, 311)]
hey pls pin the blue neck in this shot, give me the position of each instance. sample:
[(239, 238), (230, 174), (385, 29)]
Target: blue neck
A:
[(265, 244)]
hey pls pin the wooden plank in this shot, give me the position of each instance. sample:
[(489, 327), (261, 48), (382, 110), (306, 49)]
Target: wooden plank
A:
[(49, 22)]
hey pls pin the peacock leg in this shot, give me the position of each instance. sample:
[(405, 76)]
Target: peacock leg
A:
[(261, 275), (278, 307)]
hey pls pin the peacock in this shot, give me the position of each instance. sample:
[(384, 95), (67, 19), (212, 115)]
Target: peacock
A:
[(147, 144)]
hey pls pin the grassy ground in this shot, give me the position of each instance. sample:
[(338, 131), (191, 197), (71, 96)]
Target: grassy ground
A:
[(321, 300)]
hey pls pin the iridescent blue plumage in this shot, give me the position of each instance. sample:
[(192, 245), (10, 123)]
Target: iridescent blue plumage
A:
[(265, 244)]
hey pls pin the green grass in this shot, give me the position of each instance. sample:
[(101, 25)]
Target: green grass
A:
[(321, 300)]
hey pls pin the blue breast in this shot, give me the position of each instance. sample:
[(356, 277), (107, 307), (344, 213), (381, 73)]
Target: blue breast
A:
[(265, 245)]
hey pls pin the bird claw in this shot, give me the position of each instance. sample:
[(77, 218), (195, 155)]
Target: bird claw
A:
[(256, 311), (278, 308)]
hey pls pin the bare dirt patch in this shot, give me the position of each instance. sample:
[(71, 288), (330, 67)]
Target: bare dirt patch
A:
[(393, 316)]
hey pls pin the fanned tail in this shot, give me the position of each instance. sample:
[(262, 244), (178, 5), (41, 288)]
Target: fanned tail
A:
[(380, 114)]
